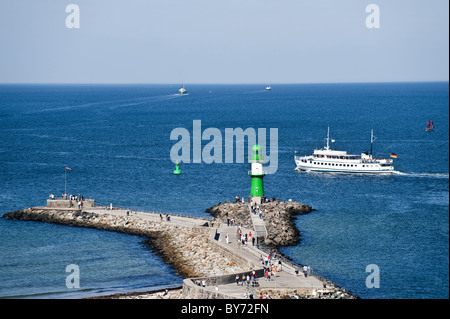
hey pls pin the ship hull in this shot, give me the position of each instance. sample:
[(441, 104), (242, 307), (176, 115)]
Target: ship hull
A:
[(351, 167)]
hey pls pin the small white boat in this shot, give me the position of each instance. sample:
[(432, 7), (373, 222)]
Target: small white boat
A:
[(268, 88), (182, 90), (328, 160)]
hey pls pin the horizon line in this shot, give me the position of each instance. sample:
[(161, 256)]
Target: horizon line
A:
[(217, 83)]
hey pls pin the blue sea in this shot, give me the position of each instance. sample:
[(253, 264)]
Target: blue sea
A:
[(116, 140)]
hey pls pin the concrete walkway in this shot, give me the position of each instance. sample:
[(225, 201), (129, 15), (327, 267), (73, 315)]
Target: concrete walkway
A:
[(258, 224), (283, 280), (286, 278), (155, 217)]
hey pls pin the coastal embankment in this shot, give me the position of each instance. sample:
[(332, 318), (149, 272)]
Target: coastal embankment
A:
[(211, 254)]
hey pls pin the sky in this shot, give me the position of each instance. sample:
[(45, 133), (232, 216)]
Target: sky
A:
[(233, 41)]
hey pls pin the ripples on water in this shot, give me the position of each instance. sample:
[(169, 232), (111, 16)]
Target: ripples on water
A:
[(117, 141)]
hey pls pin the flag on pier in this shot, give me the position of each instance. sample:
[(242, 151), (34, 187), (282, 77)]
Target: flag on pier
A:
[(65, 179)]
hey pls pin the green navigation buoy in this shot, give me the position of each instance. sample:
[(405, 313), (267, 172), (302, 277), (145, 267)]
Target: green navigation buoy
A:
[(177, 170), (257, 173)]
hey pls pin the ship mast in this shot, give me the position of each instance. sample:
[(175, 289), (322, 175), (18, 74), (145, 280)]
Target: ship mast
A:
[(372, 139), (328, 139)]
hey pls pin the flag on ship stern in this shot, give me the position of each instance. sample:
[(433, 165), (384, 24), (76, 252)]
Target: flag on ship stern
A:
[(393, 155)]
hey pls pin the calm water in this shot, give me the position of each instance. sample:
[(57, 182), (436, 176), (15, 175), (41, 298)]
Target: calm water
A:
[(117, 141)]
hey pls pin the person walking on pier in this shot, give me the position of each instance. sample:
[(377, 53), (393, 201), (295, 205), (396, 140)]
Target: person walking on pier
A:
[(268, 272)]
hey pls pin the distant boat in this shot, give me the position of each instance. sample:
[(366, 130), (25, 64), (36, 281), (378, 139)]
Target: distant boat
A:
[(430, 126), (268, 88), (182, 90)]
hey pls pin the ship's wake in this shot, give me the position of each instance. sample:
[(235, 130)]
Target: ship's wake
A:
[(436, 175)]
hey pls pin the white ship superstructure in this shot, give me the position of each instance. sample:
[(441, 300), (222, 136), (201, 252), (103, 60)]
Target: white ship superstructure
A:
[(182, 91), (327, 160)]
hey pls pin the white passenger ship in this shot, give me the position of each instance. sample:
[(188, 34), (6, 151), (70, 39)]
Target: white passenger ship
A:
[(327, 160)]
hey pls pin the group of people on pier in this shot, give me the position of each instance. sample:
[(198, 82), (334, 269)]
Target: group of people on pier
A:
[(264, 199), (77, 198), (247, 280), (257, 210), (166, 216), (243, 239), (271, 268), (68, 196)]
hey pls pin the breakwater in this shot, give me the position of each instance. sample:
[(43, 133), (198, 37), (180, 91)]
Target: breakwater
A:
[(278, 217), (183, 246), (200, 250)]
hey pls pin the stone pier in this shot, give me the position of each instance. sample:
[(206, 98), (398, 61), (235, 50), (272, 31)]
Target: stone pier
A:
[(208, 255)]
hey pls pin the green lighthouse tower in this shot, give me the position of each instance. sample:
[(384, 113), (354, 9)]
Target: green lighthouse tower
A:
[(257, 173)]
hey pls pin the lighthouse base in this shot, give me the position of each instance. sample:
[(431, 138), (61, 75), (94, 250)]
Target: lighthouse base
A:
[(257, 187), (255, 200)]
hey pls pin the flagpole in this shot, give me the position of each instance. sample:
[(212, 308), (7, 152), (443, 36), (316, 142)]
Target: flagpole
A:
[(65, 183)]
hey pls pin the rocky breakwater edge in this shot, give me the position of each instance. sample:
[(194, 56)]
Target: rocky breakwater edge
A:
[(186, 248)]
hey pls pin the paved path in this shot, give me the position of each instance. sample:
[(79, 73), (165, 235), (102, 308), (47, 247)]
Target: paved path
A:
[(286, 278), (258, 224), (283, 280), (174, 219)]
